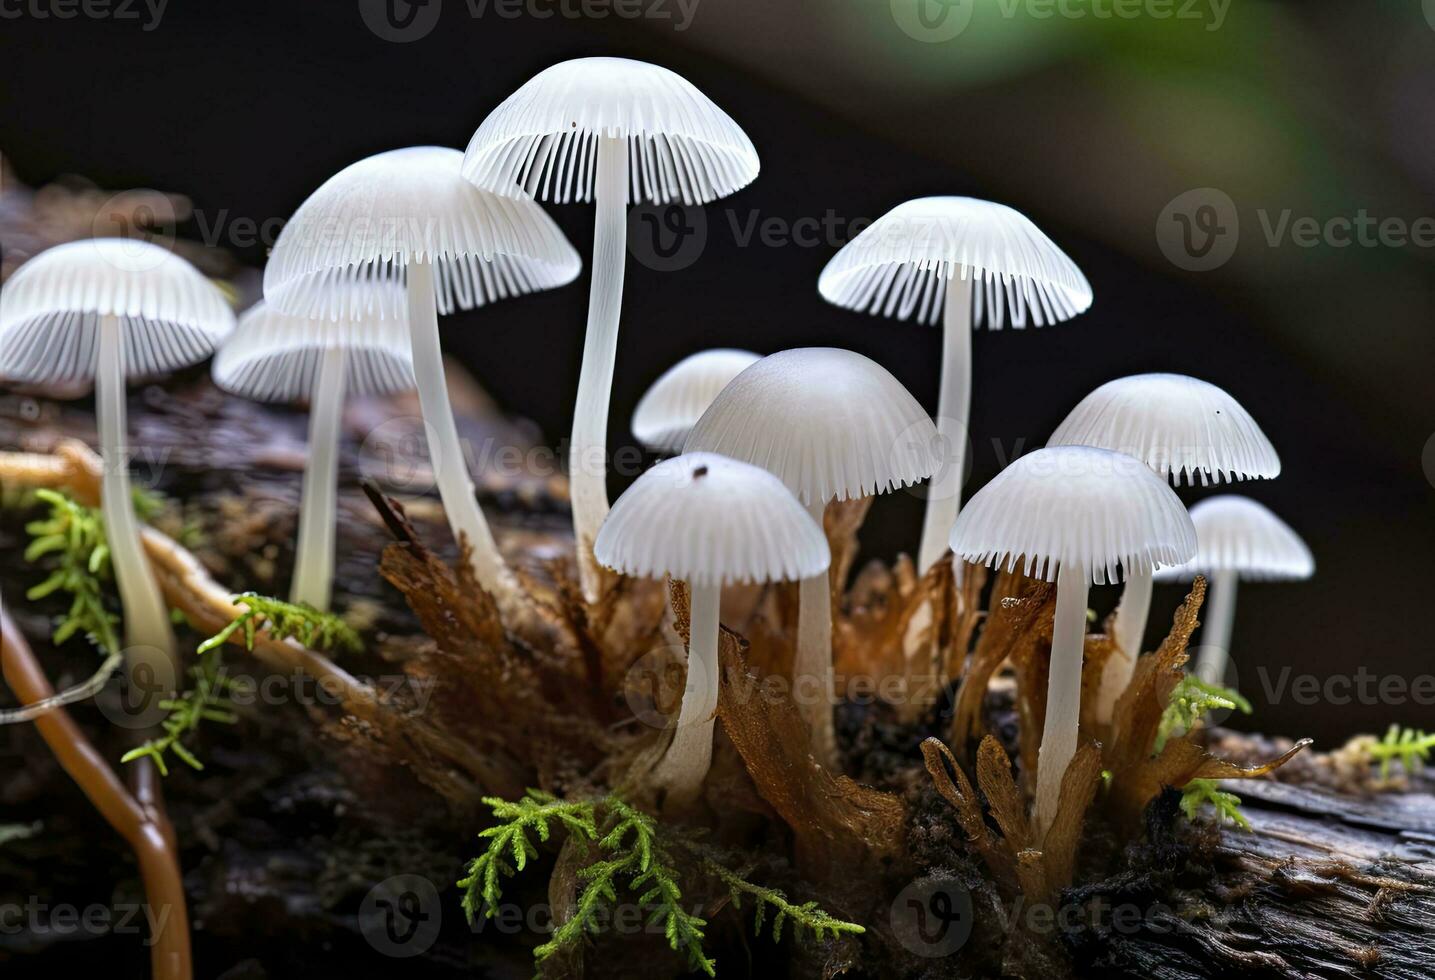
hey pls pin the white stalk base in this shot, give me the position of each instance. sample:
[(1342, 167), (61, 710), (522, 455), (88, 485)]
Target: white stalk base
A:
[(314, 551), (1063, 696), (689, 756), (813, 686)]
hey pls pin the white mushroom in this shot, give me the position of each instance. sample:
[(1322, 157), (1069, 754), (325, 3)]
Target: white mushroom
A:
[(409, 213), (831, 424), (615, 132), (1236, 538), (971, 263), (277, 357), (1185, 430), (709, 521), (670, 408), (1076, 516), (112, 309)]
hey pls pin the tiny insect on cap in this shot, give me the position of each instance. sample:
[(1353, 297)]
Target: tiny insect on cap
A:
[(828, 422), (900, 265), (1238, 534), (1181, 427), (374, 217), (670, 408), (1074, 507), (274, 356), (542, 140), (710, 520), (171, 315)]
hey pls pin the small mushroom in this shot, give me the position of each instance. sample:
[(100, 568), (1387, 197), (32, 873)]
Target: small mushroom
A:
[(670, 408), (276, 357), (1186, 430), (112, 309), (831, 424), (1236, 538), (615, 132), (408, 213), (971, 263), (1077, 516), (709, 521)]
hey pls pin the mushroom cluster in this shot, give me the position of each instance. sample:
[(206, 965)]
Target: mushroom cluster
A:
[(759, 445)]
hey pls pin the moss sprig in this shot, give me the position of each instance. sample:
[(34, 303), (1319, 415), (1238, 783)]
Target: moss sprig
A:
[(1191, 700), (633, 851), (282, 620), (204, 701), (1198, 792), (73, 537), (1409, 746)]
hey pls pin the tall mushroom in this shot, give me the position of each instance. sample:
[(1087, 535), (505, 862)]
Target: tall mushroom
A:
[(709, 521), (616, 132), (832, 425), (1183, 428), (409, 213), (971, 263), (1236, 538), (673, 404), (276, 357), (112, 309), (1076, 516)]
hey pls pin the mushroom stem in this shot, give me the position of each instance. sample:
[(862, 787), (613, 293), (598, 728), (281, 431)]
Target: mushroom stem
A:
[(813, 687), (455, 486), (944, 492), (689, 755), (314, 554), (1063, 694), (149, 640), (587, 463), (1216, 631), (1129, 628)]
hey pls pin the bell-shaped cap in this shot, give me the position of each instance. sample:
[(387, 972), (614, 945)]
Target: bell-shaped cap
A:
[(276, 357), (670, 408), (542, 140), (1180, 427), (1078, 508), (171, 315), (829, 423), (1237, 534), (900, 265), (374, 217), (710, 520)]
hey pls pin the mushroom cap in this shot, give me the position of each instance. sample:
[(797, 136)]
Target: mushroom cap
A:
[(1178, 426), (711, 520), (828, 422), (1237, 534), (172, 316), (374, 217), (542, 140), (901, 263), (275, 356), (1074, 506), (670, 408)]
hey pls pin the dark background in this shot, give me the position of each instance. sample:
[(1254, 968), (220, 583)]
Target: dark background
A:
[(1088, 124)]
